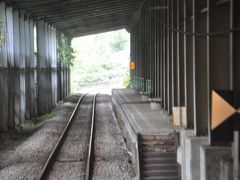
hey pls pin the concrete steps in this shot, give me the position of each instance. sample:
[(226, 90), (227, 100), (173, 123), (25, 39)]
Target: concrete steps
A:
[(159, 154), (158, 158), (159, 166), (162, 178)]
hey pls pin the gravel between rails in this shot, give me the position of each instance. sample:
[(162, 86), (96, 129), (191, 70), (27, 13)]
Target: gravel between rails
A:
[(28, 158), (71, 157), (111, 158)]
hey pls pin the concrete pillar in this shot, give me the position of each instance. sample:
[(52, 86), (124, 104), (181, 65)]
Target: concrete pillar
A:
[(181, 55), (32, 65), (138, 52), (193, 144), (188, 61), (62, 80), (10, 56), (69, 81), (172, 54), (48, 101), (147, 42), (177, 53), (158, 73), (166, 59), (161, 57), (235, 43), (169, 58), (182, 155), (49, 64), (164, 68), (175, 65), (59, 83), (22, 66), (210, 161), (226, 169), (201, 69), (16, 36), (42, 78), (54, 66), (28, 61), (140, 41), (234, 58), (3, 70), (219, 55), (152, 15), (154, 51)]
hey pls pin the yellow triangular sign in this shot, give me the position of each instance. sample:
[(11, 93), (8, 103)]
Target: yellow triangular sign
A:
[(221, 110)]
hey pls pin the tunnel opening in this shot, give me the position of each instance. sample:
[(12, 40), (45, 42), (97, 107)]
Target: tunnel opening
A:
[(101, 60), (184, 73)]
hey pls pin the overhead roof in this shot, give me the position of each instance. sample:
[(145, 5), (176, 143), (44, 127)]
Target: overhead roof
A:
[(82, 17)]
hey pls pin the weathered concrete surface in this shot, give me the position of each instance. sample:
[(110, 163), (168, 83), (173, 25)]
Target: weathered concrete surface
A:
[(210, 161), (226, 169), (3, 73), (181, 152), (136, 116), (193, 144), (142, 117), (4, 100), (129, 134)]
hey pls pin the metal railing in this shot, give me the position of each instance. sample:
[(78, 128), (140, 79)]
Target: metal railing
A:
[(137, 83), (149, 86)]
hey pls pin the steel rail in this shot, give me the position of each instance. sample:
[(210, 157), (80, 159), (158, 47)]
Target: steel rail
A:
[(89, 165), (51, 157)]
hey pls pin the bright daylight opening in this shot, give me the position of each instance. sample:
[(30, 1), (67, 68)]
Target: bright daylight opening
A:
[(101, 60)]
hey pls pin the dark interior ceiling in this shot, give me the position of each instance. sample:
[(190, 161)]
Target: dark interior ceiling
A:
[(83, 17)]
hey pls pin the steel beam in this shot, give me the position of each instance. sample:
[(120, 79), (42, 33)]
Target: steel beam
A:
[(188, 61), (201, 70)]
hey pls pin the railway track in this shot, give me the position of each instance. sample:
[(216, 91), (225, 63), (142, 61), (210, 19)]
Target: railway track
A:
[(88, 119)]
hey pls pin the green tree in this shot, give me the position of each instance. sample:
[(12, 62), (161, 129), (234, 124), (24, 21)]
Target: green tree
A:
[(119, 41), (95, 60)]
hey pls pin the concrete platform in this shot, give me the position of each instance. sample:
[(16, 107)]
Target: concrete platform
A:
[(130, 96), (143, 118), (138, 116)]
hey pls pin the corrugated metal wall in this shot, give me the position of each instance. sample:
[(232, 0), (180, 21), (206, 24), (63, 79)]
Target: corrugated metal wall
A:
[(31, 83)]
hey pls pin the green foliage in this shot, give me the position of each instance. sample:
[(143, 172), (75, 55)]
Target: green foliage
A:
[(28, 126), (65, 51), (47, 116), (119, 42), (127, 81), (96, 62), (31, 126)]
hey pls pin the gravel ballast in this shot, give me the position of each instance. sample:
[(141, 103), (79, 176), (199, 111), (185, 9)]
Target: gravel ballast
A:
[(70, 160), (28, 157), (111, 157)]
